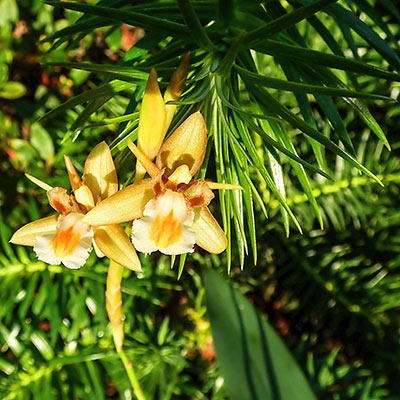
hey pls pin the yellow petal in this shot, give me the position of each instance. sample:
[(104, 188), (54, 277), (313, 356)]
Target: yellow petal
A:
[(26, 235), (99, 173), (84, 196), (174, 89), (180, 175), (144, 160), (151, 120), (38, 182), (98, 252), (209, 234), (74, 177), (226, 186), (187, 145), (115, 244), (123, 206)]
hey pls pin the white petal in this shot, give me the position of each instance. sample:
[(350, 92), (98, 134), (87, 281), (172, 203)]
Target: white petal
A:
[(70, 245), (165, 226), (44, 251)]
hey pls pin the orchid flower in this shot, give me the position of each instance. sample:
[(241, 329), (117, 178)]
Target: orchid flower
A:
[(65, 238), (155, 115), (169, 209)]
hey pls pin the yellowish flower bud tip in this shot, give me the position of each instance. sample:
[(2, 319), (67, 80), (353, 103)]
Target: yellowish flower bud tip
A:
[(152, 87), (74, 177), (177, 80)]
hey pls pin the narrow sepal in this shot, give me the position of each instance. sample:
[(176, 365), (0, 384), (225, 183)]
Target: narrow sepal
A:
[(125, 205), (144, 160), (38, 182), (209, 234), (115, 244), (26, 235), (225, 186)]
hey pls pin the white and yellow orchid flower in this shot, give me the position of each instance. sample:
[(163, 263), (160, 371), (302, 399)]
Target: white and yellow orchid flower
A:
[(169, 209), (65, 238), (155, 115)]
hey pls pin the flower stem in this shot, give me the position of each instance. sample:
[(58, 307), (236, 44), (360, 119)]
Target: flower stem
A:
[(131, 375)]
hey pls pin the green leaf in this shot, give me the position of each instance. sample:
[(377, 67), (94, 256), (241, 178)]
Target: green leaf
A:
[(306, 88), (8, 12), (107, 89), (41, 140), (197, 32), (269, 103), (310, 57), (127, 17), (249, 144), (116, 71), (286, 21), (254, 361), (12, 90)]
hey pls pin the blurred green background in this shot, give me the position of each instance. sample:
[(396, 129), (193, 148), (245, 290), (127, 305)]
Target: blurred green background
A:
[(332, 295)]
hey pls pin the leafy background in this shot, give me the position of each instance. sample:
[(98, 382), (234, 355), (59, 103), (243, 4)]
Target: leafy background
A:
[(331, 294)]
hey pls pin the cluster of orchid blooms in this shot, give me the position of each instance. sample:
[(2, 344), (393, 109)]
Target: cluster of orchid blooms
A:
[(169, 210)]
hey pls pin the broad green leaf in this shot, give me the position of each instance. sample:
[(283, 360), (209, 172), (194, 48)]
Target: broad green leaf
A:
[(41, 140), (254, 361)]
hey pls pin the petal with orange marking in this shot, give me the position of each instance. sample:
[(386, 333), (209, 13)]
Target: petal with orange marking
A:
[(62, 202), (100, 173), (70, 245), (209, 234), (115, 244), (125, 205), (26, 235), (165, 226), (187, 145)]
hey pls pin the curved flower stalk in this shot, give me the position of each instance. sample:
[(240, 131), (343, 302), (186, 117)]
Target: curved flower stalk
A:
[(169, 209), (65, 238), (155, 115)]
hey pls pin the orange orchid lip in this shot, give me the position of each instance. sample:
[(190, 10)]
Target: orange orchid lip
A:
[(165, 230), (65, 242)]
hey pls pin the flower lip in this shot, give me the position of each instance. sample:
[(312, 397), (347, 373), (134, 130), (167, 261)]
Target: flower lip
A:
[(165, 225), (70, 245)]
